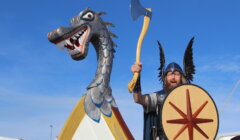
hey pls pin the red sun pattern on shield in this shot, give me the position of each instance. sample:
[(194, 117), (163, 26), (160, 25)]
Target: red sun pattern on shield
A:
[(189, 120)]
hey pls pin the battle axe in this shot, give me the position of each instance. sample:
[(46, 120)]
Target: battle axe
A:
[(137, 10)]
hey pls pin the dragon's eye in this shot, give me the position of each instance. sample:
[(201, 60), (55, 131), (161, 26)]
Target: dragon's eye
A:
[(88, 16)]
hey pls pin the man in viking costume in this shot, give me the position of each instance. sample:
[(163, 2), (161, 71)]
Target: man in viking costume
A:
[(171, 77)]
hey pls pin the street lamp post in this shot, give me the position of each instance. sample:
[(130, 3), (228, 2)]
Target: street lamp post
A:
[(51, 127)]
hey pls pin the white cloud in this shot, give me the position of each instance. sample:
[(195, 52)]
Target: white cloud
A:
[(225, 63)]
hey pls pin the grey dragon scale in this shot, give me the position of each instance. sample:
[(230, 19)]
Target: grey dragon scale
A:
[(87, 27)]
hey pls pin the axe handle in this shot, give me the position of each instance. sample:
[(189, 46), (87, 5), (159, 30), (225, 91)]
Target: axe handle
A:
[(132, 83)]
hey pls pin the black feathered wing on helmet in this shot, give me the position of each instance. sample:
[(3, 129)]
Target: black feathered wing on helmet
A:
[(188, 65), (162, 62)]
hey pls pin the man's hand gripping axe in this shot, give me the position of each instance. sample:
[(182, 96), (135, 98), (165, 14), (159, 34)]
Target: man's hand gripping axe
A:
[(137, 10)]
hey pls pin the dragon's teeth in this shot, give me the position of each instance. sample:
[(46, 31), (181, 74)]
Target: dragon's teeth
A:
[(76, 35), (68, 42), (75, 46), (80, 40), (81, 33), (74, 38)]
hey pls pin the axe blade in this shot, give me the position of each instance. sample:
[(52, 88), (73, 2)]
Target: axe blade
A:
[(137, 10)]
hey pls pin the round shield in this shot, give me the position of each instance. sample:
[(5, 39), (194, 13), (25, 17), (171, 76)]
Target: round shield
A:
[(189, 113)]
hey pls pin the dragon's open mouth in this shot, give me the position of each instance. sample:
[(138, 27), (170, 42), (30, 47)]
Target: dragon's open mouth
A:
[(75, 43)]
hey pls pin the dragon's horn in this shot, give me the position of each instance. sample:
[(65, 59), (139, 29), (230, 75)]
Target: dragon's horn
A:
[(101, 13)]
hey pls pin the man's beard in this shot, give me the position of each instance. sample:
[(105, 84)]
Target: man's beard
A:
[(168, 87)]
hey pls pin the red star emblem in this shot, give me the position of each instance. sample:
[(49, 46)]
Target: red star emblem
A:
[(189, 120)]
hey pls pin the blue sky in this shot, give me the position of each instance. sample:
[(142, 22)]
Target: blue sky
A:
[(40, 84)]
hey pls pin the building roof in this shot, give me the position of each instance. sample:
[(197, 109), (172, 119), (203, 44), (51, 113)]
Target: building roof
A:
[(5, 138)]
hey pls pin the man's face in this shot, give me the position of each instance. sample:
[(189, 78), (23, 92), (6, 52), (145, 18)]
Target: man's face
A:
[(173, 79)]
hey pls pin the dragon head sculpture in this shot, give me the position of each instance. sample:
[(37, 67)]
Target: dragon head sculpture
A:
[(86, 27)]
